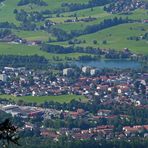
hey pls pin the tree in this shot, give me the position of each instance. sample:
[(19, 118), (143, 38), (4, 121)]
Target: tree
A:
[(8, 133), (95, 41), (104, 42)]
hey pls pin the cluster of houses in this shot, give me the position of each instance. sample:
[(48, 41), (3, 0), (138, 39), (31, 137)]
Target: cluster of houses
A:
[(137, 129), (105, 131), (97, 133), (26, 112), (119, 87), (125, 6), (13, 39)]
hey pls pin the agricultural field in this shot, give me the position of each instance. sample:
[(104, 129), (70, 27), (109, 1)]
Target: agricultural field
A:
[(42, 99), (51, 6), (6, 11), (33, 35), (98, 13), (23, 50), (8, 6), (116, 38)]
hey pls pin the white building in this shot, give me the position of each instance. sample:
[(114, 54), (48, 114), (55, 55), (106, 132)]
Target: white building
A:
[(14, 69), (9, 68), (86, 69), (93, 72), (3, 77), (68, 71)]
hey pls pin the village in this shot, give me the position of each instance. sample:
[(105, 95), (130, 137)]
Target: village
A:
[(74, 74), (99, 132), (108, 88), (89, 82), (125, 6)]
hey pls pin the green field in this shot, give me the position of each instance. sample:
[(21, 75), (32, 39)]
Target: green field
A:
[(51, 6), (95, 12), (33, 35), (42, 99), (7, 8), (98, 13), (6, 11), (116, 38), (22, 50)]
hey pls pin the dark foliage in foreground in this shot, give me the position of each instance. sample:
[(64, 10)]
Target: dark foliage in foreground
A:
[(8, 133), (38, 142)]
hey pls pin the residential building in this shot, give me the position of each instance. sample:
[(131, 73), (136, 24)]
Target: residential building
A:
[(68, 71), (86, 69), (3, 77)]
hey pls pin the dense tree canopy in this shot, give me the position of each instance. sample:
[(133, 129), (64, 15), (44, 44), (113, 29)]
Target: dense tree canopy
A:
[(27, 61), (37, 2)]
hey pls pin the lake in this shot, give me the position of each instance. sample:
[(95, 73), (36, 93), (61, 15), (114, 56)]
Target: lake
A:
[(110, 64)]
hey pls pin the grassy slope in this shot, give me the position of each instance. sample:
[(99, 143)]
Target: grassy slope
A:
[(98, 13), (6, 11), (120, 33), (117, 38), (60, 99), (18, 49), (52, 5), (33, 35)]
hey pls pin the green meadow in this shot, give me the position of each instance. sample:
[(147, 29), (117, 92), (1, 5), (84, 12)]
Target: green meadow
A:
[(42, 99), (116, 38), (6, 11), (52, 5), (22, 50), (7, 8), (33, 35), (98, 13)]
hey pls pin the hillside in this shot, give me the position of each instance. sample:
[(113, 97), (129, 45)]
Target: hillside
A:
[(60, 22), (74, 73)]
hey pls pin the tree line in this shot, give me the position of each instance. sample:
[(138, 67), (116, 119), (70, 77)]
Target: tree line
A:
[(90, 4), (64, 142), (61, 49), (36, 2), (7, 25), (109, 54), (4, 33), (34, 61)]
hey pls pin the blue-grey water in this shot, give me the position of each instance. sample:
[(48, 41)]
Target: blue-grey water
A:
[(110, 64)]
